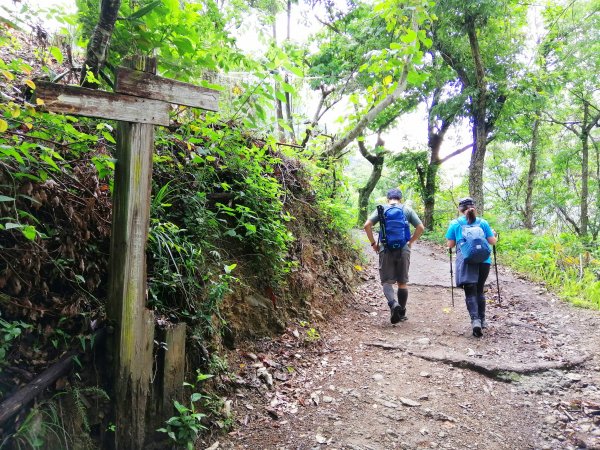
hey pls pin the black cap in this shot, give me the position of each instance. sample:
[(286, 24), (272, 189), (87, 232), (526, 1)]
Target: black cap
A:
[(394, 194), (467, 201)]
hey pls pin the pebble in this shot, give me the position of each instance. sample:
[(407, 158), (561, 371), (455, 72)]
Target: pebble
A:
[(550, 420), (425, 374), (392, 433), (423, 341), (409, 402), (327, 399), (378, 377)]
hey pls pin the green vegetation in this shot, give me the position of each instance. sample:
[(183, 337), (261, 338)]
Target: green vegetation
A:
[(562, 262), (184, 428), (247, 199)]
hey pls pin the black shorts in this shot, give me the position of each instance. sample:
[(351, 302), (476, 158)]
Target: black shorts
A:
[(394, 265)]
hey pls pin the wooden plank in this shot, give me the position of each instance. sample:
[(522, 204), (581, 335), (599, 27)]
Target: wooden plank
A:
[(105, 105), (174, 368), (147, 85), (127, 281)]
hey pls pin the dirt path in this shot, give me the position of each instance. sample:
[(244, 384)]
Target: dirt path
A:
[(426, 382)]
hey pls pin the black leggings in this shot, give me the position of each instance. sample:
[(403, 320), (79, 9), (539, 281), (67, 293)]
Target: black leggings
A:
[(476, 289)]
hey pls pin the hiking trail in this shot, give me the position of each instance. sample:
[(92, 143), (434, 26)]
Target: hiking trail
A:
[(532, 381)]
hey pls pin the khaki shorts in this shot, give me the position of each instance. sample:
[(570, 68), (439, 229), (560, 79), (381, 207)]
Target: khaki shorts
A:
[(394, 265)]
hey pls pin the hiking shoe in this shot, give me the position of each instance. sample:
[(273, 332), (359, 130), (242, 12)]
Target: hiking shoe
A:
[(484, 323), (403, 314), (397, 314), (476, 325)]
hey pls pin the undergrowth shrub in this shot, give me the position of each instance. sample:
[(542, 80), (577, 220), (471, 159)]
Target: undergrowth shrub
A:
[(562, 262), (218, 205)]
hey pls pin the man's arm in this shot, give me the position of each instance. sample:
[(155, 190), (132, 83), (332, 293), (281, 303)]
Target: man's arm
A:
[(368, 227), (417, 234)]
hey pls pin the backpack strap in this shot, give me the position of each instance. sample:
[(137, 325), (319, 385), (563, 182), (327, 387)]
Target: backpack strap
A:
[(382, 233)]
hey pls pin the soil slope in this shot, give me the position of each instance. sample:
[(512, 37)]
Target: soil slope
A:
[(532, 381)]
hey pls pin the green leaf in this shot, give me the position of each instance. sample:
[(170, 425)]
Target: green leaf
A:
[(57, 54), (29, 232), (296, 71), (108, 137), (195, 397), (229, 269), (145, 10), (409, 37), (184, 45), (203, 376), (416, 78), (4, 198), (288, 88), (280, 96)]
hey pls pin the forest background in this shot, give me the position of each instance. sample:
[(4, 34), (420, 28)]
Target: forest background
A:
[(309, 136)]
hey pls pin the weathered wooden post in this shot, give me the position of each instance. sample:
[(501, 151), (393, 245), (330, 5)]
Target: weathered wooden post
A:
[(134, 323), (142, 101)]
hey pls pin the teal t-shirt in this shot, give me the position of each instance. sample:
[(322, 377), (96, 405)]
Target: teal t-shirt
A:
[(454, 232)]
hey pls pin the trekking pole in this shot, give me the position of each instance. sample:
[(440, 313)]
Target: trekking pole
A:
[(451, 277), (496, 267)]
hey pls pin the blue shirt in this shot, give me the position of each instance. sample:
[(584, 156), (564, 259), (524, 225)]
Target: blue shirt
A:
[(454, 232)]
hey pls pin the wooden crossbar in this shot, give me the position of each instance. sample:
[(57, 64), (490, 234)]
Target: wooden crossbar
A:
[(148, 85), (101, 104)]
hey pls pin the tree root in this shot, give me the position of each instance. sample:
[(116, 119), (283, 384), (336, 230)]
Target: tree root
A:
[(385, 345), (501, 370)]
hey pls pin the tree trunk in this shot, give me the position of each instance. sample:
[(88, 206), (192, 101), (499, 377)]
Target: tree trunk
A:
[(429, 195), (585, 174), (97, 49), (365, 192), (480, 126), (531, 174), (278, 105), (597, 221), (289, 16), (435, 137), (288, 113)]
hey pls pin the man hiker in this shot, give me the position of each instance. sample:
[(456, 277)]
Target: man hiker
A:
[(393, 246)]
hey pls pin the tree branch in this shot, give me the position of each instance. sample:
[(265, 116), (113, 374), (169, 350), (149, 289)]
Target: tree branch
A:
[(569, 219), (452, 155)]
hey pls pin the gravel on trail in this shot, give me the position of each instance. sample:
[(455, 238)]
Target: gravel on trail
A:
[(359, 382)]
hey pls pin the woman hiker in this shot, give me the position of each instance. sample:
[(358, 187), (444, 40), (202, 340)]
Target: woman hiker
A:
[(471, 234)]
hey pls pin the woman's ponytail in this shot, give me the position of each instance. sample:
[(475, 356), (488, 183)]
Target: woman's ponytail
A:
[(467, 207), (471, 215)]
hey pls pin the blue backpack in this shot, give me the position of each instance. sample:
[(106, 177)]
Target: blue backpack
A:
[(473, 245), (395, 230)]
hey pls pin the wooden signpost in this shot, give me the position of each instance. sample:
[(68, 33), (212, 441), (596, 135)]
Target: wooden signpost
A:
[(142, 100)]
